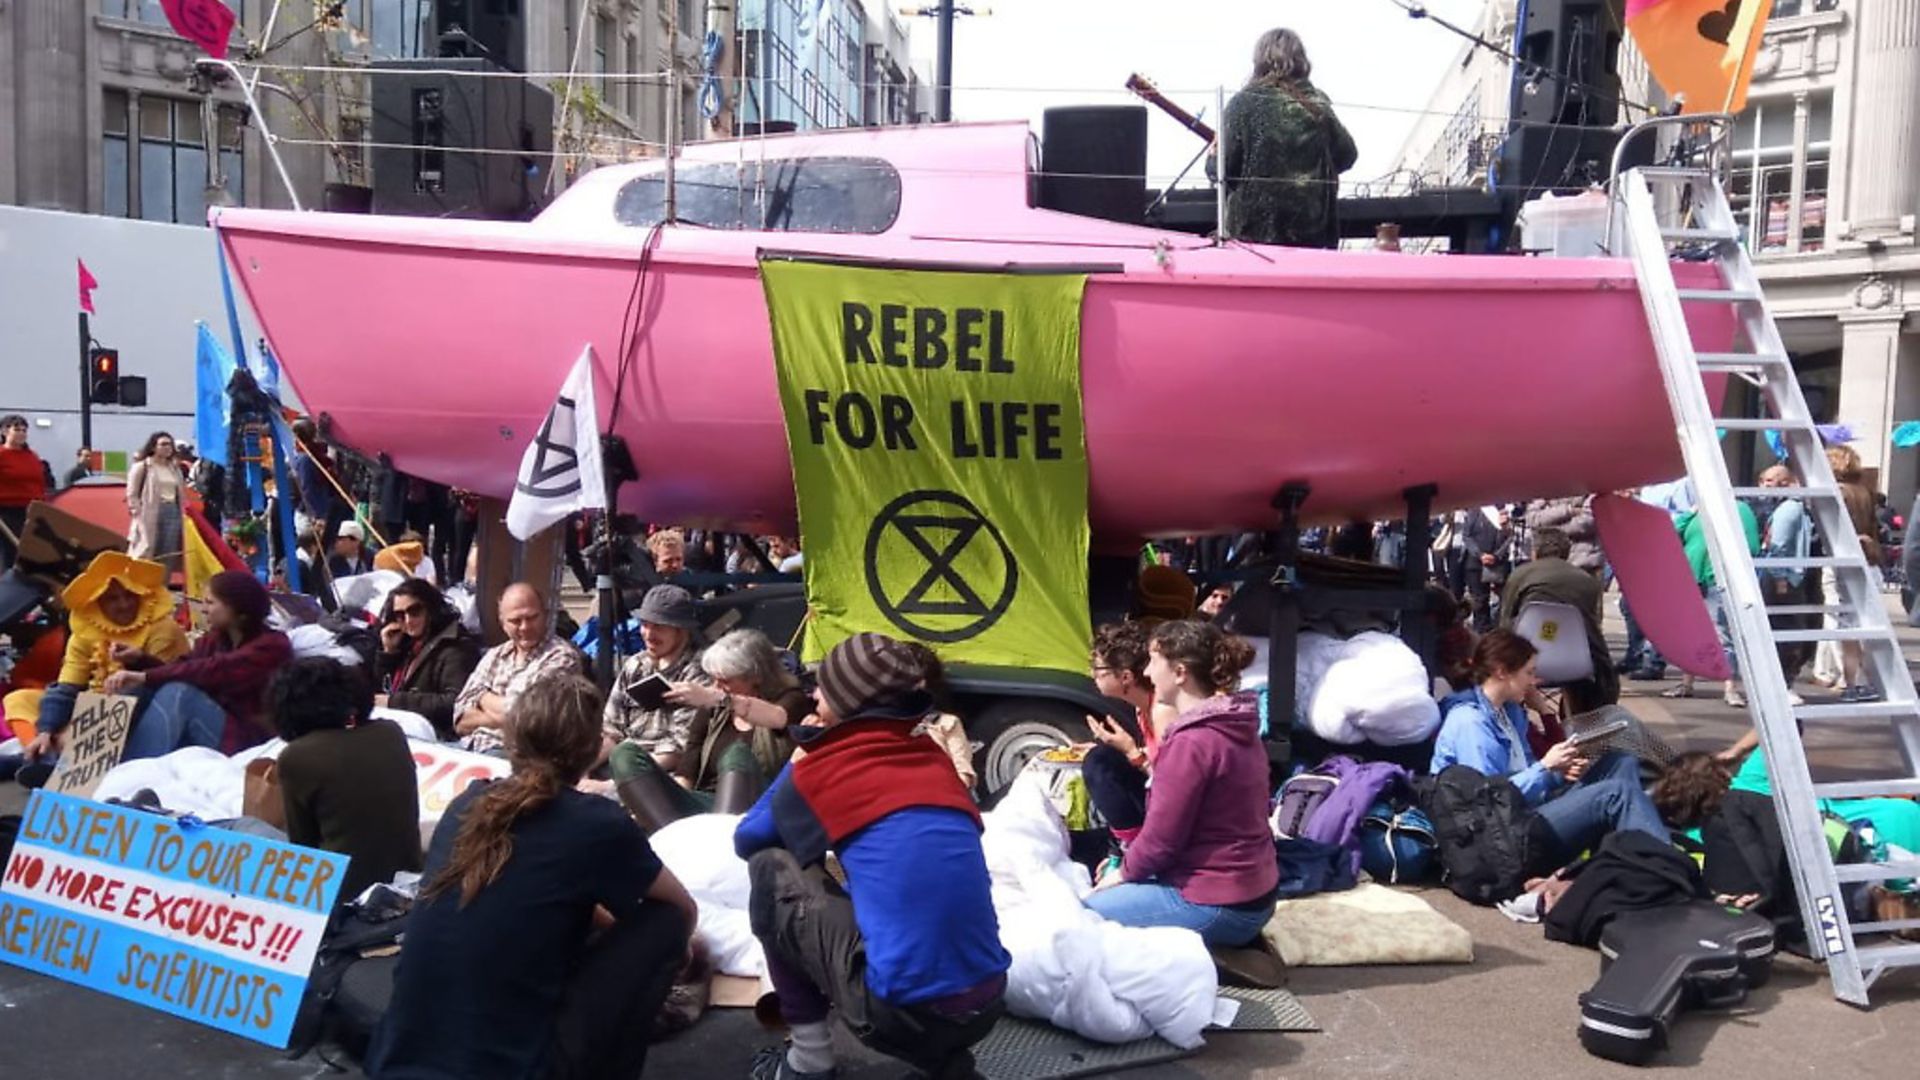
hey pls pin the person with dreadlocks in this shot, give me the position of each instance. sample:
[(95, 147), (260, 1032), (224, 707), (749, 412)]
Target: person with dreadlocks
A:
[(547, 932), (1283, 150)]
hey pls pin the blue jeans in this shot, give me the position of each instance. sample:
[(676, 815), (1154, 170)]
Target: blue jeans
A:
[(1716, 598), (1607, 799), (1641, 651), (174, 716), (1153, 904)]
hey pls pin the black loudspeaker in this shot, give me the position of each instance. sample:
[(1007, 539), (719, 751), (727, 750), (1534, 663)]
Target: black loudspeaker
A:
[(1566, 160), (1570, 72), (474, 146), (493, 30), (1093, 161)]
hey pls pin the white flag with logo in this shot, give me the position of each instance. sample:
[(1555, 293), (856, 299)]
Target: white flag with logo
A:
[(561, 471)]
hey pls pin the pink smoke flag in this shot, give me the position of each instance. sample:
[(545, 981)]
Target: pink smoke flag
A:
[(88, 283), (206, 23)]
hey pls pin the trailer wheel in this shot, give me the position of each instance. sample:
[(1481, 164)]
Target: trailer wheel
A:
[(1011, 731)]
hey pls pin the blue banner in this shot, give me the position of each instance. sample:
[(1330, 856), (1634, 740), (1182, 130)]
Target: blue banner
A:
[(213, 926), (212, 368)]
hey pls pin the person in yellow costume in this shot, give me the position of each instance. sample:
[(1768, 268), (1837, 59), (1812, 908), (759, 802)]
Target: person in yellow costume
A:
[(119, 607)]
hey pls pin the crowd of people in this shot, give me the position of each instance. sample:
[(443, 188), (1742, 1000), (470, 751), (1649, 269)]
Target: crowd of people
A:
[(864, 758)]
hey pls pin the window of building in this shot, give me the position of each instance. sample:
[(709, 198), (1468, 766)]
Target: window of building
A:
[(395, 29), (602, 44), (118, 177), (817, 195), (233, 158), (148, 11), (1786, 9), (1764, 163)]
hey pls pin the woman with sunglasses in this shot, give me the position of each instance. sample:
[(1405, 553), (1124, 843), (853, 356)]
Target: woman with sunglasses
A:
[(425, 654)]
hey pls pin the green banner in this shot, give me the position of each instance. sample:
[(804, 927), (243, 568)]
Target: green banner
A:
[(939, 457)]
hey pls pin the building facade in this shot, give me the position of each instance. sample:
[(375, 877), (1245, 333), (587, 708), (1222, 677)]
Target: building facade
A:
[(1825, 182), (810, 64), (100, 112)]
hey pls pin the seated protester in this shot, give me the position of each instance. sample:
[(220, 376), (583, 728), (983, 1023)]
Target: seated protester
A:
[(910, 954), (642, 740), (119, 603), (738, 740), (347, 782), (944, 726), (547, 934), (1116, 767), (1575, 801), (1203, 858), (1551, 578), (426, 656), (349, 558), (212, 697), (530, 654), (669, 550)]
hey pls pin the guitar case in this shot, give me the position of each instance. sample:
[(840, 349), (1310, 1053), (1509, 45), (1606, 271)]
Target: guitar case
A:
[(1661, 961)]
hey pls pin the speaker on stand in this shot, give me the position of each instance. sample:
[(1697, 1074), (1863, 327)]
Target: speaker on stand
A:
[(1093, 161)]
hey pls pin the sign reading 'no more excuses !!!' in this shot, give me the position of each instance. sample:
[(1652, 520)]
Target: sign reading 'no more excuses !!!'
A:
[(203, 923), (939, 456)]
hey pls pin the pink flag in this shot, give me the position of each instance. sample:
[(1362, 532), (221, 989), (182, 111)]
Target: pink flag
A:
[(1658, 582), (206, 23), (88, 283)]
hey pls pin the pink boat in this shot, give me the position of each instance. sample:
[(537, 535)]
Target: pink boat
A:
[(1212, 375)]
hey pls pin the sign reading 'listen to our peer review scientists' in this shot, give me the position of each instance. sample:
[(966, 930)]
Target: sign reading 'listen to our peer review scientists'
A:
[(939, 456), (203, 923)]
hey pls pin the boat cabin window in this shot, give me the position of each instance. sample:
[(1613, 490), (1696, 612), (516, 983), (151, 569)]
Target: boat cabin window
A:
[(817, 195)]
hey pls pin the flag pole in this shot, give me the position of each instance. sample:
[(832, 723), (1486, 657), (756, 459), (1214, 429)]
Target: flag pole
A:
[(616, 468)]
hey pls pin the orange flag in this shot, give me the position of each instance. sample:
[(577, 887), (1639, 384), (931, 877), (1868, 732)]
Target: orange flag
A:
[(1701, 51)]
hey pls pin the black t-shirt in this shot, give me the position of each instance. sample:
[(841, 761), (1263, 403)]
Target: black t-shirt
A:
[(479, 987)]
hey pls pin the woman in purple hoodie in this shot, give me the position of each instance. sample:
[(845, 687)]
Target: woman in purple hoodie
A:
[(1204, 857)]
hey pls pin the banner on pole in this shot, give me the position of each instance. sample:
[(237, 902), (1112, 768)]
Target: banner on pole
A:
[(939, 457), (212, 926)]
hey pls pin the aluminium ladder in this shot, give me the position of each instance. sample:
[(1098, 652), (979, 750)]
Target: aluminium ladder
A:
[(1704, 230)]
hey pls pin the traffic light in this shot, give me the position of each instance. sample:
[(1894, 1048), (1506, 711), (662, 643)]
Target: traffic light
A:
[(103, 384)]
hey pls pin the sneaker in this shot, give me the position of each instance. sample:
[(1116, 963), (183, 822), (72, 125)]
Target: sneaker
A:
[(1859, 695), (1795, 700), (1648, 674), (770, 1063)]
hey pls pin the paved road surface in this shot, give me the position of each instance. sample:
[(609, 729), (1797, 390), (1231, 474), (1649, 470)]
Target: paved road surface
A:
[(1510, 1013)]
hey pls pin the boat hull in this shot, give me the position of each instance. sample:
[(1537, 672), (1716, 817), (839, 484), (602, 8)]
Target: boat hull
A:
[(1211, 376)]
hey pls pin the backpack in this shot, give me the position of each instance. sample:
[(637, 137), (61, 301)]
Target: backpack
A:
[(349, 990), (1480, 825), (1297, 801), (1397, 844)]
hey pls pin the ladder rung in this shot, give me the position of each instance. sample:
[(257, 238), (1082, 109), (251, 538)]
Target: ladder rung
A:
[(1717, 296), (1732, 361), (1830, 633), (1856, 710), (1903, 788), (1883, 871), (1698, 234), (1903, 954), (1886, 927), (1809, 609), (1786, 493), (1758, 423), (1811, 562), (1673, 172)]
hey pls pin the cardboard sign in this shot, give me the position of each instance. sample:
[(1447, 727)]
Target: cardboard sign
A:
[(57, 546), (446, 771), (208, 925), (96, 739)]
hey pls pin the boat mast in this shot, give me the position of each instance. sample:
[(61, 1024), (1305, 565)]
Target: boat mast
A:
[(1220, 167), (673, 104)]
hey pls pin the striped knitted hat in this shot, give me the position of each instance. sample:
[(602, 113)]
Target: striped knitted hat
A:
[(869, 675)]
